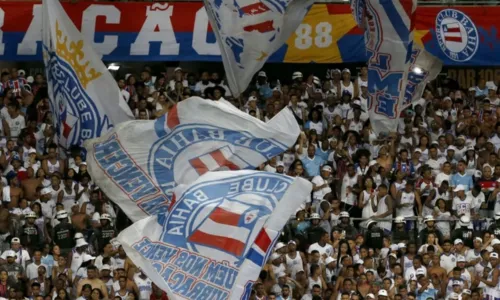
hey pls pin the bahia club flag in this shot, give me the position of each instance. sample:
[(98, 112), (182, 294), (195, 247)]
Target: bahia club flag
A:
[(84, 97), (139, 163), (250, 31), (389, 40), (217, 235)]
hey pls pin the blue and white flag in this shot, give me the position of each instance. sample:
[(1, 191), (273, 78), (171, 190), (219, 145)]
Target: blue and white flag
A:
[(84, 97), (423, 68), (250, 31), (389, 40), (217, 235), (140, 162)]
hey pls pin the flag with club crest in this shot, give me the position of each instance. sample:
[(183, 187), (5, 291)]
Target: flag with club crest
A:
[(140, 162), (84, 97), (217, 235), (249, 32)]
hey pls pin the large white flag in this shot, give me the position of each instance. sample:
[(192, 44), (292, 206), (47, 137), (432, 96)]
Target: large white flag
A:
[(84, 97), (217, 235), (140, 162), (250, 31)]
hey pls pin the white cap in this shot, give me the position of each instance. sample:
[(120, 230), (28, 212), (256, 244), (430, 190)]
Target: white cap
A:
[(493, 255), (383, 293), (21, 72), (252, 98), (81, 243), (105, 217), (329, 259), (297, 75), (461, 137), (461, 258), (458, 241), (276, 89), (10, 253), (315, 216), (279, 245), (30, 79), (479, 239), (370, 222), (326, 168), (401, 245), (420, 272), (78, 235), (62, 214), (451, 148), (280, 164), (30, 214), (177, 69), (472, 89), (262, 74), (370, 295), (344, 214), (316, 80), (459, 187), (399, 220), (46, 191), (281, 274), (105, 267), (495, 242), (275, 256), (393, 255), (31, 150), (394, 247), (467, 292), (428, 218), (454, 296), (346, 70), (372, 163), (456, 282), (356, 102), (470, 148), (464, 221), (15, 240), (363, 84), (87, 257), (417, 150), (446, 98), (497, 216)]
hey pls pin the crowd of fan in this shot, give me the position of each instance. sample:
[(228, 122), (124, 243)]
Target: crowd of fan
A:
[(414, 214)]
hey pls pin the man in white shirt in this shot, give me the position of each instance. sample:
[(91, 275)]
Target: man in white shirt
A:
[(203, 83), (14, 119), (444, 175), (417, 269), (324, 249), (22, 256), (32, 268), (125, 94), (321, 184), (107, 251)]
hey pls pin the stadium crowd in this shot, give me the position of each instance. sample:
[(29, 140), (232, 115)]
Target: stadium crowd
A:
[(414, 214)]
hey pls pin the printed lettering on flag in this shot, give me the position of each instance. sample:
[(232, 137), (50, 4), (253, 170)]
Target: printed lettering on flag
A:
[(140, 163), (223, 223), (452, 32), (83, 95), (249, 32), (389, 42)]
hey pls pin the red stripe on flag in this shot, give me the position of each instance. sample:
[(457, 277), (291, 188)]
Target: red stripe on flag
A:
[(262, 240), (172, 117), (407, 6), (199, 165), (222, 161), (222, 216), (261, 27), (227, 244), (457, 39), (255, 9), (452, 29)]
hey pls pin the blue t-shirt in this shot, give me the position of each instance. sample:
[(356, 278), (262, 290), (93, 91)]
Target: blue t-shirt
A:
[(312, 165), (465, 180)]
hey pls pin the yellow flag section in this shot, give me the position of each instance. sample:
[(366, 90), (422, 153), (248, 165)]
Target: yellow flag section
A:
[(317, 38), (329, 34)]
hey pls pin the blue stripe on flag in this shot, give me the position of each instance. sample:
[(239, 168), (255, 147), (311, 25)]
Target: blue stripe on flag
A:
[(160, 126), (409, 52), (255, 257), (396, 20)]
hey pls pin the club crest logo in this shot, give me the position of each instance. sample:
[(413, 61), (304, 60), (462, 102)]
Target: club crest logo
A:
[(224, 219), (457, 35)]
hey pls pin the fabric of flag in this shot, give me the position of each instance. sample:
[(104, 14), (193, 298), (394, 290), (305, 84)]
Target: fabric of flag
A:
[(424, 67), (79, 84), (250, 31), (389, 42), (217, 235), (140, 162)]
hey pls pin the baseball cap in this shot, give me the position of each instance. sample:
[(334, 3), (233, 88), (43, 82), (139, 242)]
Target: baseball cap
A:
[(456, 282), (87, 257), (454, 296), (460, 258), (279, 246), (420, 272), (401, 245), (15, 240), (464, 221), (10, 253), (78, 235), (280, 164), (393, 255), (62, 214), (326, 168), (46, 191), (344, 214), (105, 217), (296, 75), (106, 267), (81, 243), (31, 150), (458, 241), (383, 293), (281, 274), (394, 247), (428, 218), (370, 295), (493, 255), (467, 292), (315, 216), (178, 69), (262, 74), (252, 98), (459, 187), (495, 242), (329, 259), (275, 256), (497, 216)]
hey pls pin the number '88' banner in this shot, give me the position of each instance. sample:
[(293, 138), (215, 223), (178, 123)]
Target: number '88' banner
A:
[(180, 31)]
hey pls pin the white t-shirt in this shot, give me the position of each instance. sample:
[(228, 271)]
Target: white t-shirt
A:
[(15, 125), (442, 177), (32, 270), (22, 257), (327, 249), (411, 273), (463, 207), (319, 181)]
